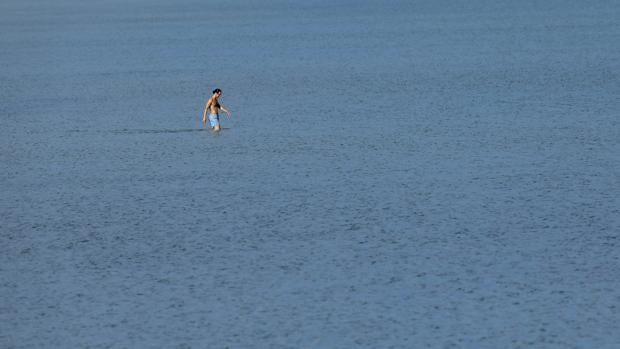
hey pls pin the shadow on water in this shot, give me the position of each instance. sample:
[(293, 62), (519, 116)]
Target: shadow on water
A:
[(141, 131), (146, 131)]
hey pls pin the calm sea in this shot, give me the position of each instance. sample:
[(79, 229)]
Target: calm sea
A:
[(399, 174)]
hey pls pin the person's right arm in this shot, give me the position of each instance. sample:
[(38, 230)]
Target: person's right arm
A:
[(204, 113)]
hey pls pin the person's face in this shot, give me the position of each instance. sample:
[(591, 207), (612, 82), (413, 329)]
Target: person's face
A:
[(219, 94)]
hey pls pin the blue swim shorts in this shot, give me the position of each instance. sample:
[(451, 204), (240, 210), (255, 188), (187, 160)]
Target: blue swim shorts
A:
[(214, 119)]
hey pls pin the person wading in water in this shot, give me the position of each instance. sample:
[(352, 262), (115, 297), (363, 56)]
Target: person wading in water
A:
[(213, 107)]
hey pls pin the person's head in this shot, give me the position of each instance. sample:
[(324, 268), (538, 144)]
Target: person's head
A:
[(217, 91)]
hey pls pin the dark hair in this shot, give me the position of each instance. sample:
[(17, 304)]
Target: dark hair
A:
[(217, 90)]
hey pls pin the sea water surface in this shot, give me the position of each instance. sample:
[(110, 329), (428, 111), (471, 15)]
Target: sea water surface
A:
[(395, 174)]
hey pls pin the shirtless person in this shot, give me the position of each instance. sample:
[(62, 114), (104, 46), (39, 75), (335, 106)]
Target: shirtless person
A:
[(213, 106)]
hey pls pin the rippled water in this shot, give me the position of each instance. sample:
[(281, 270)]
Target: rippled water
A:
[(395, 174)]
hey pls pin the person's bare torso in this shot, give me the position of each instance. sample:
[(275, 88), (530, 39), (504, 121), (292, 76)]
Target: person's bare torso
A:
[(214, 105)]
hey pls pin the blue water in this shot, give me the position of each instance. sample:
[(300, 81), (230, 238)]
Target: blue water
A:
[(394, 175)]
